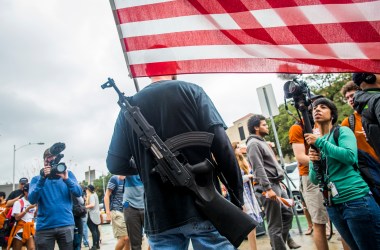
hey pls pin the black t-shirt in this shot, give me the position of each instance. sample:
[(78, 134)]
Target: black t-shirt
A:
[(172, 108), (14, 194)]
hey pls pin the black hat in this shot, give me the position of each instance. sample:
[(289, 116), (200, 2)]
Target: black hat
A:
[(23, 180), (315, 97), (358, 78), (91, 188), (26, 187)]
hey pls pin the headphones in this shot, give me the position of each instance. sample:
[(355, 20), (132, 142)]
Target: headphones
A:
[(358, 78)]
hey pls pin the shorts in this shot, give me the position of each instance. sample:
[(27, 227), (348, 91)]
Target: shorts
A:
[(118, 224), (314, 201), (18, 236)]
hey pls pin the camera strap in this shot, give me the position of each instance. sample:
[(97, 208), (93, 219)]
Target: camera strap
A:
[(327, 139)]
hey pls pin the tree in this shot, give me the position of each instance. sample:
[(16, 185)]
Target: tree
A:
[(98, 184)]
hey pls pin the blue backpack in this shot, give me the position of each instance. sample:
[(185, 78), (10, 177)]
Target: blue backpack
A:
[(368, 167)]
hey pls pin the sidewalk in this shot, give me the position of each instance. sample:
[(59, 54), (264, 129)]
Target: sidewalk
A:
[(306, 241)]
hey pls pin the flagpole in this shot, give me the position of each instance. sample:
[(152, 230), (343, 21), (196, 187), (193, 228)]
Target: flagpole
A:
[(113, 7)]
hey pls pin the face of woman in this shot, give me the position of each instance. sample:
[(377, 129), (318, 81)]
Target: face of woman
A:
[(321, 113)]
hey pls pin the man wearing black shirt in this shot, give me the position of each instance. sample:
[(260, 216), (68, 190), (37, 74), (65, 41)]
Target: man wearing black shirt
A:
[(18, 193), (174, 107)]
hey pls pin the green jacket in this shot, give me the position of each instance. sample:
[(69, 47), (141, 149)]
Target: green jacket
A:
[(340, 169)]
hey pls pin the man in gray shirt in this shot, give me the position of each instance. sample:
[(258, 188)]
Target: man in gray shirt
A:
[(269, 175)]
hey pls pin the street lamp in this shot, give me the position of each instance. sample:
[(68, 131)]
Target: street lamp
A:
[(14, 157)]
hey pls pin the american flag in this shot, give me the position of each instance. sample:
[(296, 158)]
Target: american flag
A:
[(284, 36)]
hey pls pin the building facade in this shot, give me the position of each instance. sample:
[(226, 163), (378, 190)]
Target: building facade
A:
[(238, 132)]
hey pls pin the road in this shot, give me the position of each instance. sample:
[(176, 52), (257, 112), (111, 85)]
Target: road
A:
[(306, 241)]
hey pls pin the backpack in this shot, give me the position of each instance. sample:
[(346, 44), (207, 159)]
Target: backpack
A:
[(79, 210), (370, 121), (9, 223), (368, 167)]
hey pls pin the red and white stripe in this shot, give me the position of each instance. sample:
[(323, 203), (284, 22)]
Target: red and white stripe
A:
[(291, 36)]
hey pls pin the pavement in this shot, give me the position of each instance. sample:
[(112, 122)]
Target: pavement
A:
[(306, 241)]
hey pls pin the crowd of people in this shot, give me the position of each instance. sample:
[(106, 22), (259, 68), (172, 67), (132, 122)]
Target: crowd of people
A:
[(53, 209), (141, 197)]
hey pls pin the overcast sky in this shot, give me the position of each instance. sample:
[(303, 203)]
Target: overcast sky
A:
[(54, 55)]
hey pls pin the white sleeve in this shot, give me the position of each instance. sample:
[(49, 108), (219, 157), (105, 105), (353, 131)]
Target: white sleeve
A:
[(92, 200), (16, 208)]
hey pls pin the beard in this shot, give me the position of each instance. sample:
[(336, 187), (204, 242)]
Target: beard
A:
[(264, 133)]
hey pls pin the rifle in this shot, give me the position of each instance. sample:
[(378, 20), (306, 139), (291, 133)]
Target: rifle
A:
[(227, 218)]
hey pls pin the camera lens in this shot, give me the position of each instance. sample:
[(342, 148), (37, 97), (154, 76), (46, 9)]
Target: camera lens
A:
[(61, 168)]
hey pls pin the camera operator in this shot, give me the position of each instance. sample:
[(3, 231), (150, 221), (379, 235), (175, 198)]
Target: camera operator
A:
[(351, 208), (367, 104), (51, 191), (310, 192)]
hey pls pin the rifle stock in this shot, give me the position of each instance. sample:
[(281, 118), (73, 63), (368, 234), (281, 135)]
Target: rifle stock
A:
[(228, 219)]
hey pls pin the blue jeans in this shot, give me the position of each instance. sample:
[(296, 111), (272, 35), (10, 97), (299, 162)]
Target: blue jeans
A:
[(85, 230), (203, 235), (358, 222)]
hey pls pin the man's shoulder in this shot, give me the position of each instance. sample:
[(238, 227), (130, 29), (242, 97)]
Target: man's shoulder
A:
[(345, 122), (35, 179), (112, 182), (133, 181), (373, 98), (368, 95), (253, 140), (113, 178), (71, 174), (14, 194), (296, 130)]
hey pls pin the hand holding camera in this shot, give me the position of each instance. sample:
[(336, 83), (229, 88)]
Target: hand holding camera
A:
[(314, 155), (53, 168)]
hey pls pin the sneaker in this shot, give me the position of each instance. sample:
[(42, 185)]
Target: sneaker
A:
[(292, 244)]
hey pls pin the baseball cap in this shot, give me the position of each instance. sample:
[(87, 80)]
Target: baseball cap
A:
[(23, 180)]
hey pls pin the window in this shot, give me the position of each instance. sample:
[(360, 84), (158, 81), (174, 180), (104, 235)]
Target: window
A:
[(241, 133)]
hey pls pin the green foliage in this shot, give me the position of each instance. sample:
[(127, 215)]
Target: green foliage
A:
[(99, 184), (328, 85), (283, 122)]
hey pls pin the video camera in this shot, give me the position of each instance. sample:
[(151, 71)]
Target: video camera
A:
[(300, 93), (57, 167)]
